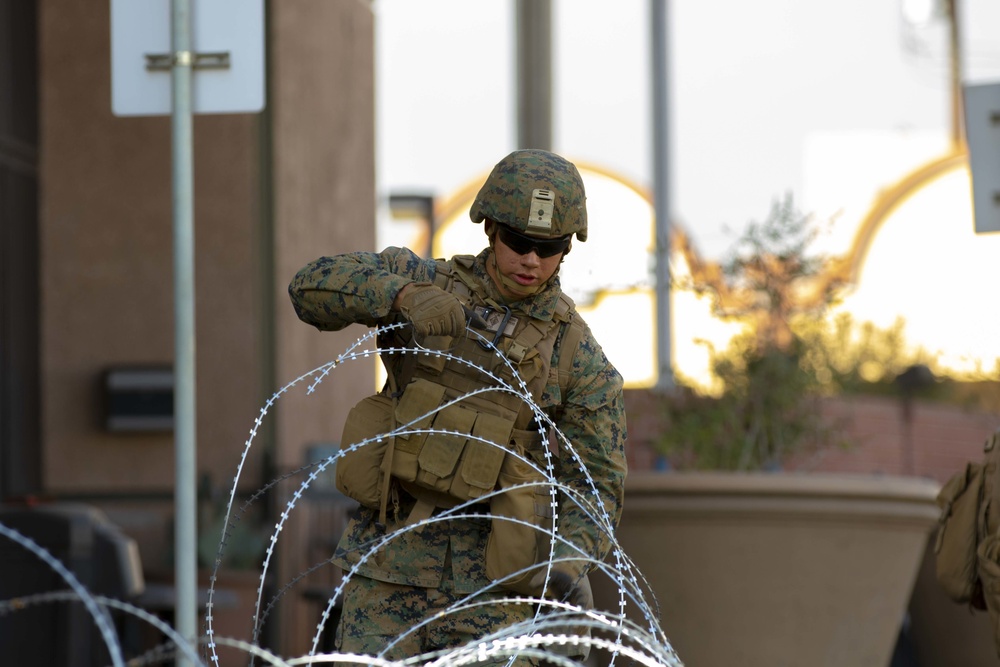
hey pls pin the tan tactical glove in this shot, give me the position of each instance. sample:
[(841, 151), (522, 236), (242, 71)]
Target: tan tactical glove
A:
[(431, 310), (566, 585)]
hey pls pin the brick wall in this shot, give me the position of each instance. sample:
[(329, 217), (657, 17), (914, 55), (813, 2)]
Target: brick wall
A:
[(929, 440)]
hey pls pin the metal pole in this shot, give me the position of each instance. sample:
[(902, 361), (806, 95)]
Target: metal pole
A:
[(185, 526), (955, 73), (661, 189), (534, 74)]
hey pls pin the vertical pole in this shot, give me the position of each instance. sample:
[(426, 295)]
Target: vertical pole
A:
[(185, 529), (659, 30), (955, 74), (534, 74)]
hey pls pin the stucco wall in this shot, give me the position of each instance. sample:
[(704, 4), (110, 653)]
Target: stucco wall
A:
[(272, 191), (106, 253), (322, 81)]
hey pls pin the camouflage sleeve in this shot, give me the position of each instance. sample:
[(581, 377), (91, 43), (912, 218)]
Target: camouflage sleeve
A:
[(593, 420), (332, 292)]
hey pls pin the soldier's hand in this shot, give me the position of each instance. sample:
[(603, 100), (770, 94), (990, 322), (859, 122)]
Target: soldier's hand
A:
[(431, 310), (564, 586)]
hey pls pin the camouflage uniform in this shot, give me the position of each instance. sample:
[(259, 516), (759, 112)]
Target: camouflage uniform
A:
[(448, 556)]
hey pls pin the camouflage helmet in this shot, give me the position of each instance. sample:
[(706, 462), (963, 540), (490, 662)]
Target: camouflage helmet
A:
[(535, 192)]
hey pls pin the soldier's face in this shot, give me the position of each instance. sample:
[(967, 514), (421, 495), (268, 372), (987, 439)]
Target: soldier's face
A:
[(527, 271)]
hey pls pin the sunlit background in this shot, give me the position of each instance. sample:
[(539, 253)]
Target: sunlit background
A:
[(837, 104)]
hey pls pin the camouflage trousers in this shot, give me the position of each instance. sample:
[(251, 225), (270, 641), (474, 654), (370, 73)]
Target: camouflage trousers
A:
[(377, 614)]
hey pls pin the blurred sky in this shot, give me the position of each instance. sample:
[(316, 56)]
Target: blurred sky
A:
[(752, 85), (829, 101)]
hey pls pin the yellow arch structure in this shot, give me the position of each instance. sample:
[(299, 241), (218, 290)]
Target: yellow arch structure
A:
[(888, 201)]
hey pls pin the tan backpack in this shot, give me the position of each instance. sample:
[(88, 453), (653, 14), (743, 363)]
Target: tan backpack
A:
[(967, 550), (958, 536)]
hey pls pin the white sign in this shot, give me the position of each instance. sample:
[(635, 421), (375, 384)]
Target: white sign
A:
[(982, 133), (140, 31)]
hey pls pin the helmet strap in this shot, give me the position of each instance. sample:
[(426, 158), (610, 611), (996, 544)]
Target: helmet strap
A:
[(512, 285), (518, 289)]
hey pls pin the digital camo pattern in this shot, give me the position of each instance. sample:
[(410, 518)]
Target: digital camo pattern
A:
[(333, 291), (389, 619), (489, 625), (507, 193), (470, 627)]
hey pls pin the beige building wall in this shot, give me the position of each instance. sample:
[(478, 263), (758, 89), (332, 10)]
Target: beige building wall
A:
[(272, 191), (107, 267), (322, 83)]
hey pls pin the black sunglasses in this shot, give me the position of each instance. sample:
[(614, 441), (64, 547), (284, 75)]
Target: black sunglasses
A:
[(522, 244)]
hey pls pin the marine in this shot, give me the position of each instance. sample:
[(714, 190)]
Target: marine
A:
[(503, 308)]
